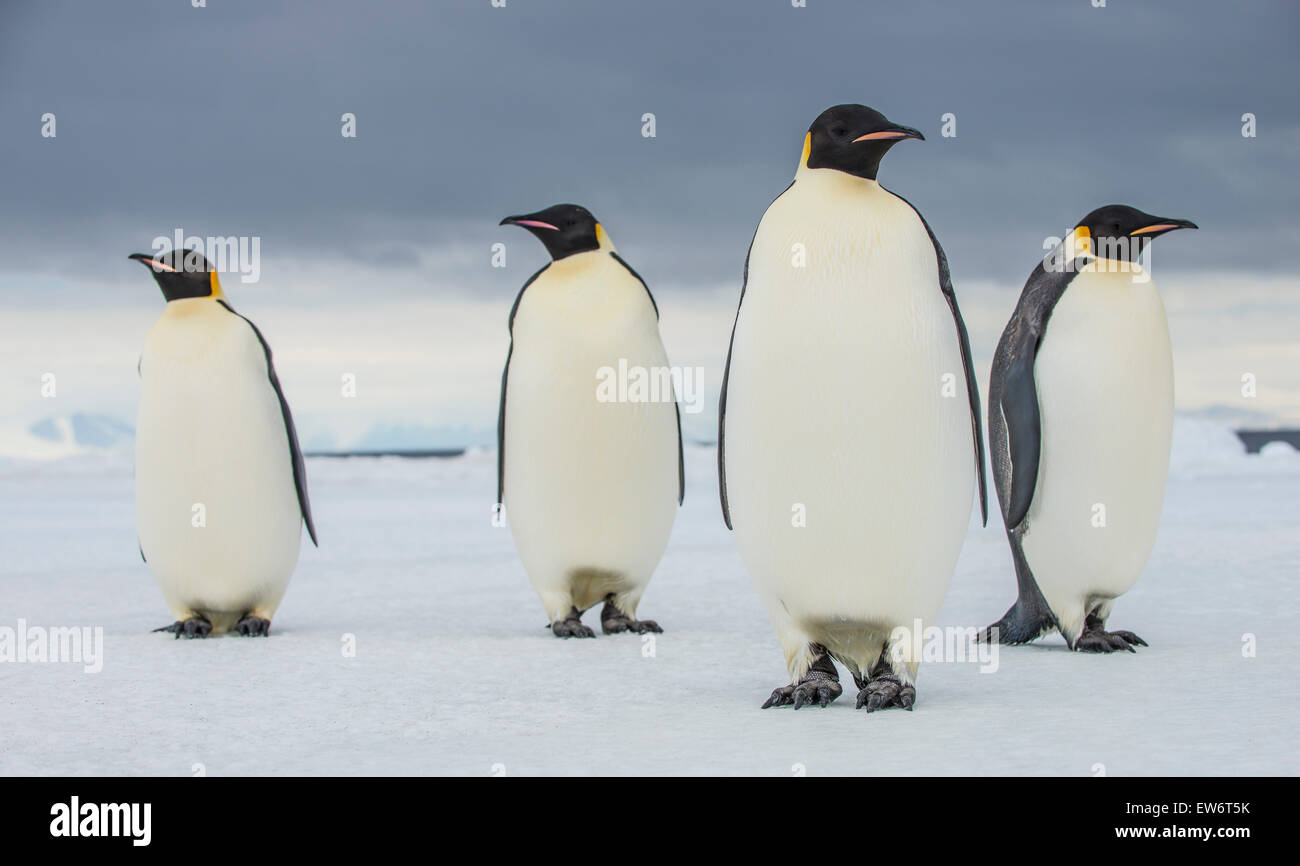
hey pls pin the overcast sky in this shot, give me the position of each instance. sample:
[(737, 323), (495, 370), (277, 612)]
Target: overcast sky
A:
[(376, 250)]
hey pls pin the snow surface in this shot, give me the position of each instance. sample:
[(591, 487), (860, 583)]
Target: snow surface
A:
[(454, 672)]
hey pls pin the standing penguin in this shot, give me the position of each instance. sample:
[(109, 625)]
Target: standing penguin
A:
[(848, 443), (220, 485), (590, 485), (1081, 406)]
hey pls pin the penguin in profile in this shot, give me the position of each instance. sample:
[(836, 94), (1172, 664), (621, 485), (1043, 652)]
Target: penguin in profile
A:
[(1081, 407), (849, 441), (220, 484), (590, 485)]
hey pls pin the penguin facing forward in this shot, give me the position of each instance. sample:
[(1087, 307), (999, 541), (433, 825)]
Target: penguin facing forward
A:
[(849, 441), (1081, 404), (590, 485), (220, 483)]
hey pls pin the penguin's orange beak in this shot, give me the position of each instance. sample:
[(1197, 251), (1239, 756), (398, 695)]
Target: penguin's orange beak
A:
[(1162, 227), (527, 223), (146, 259), (891, 134)]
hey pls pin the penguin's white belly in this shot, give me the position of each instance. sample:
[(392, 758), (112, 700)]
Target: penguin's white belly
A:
[(836, 412), (590, 486), (216, 506), (1104, 375)]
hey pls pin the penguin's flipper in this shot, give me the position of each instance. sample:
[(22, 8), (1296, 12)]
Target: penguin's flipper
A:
[(722, 420), (295, 452), (1018, 403), (681, 457), (726, 374), (1015, 439), (1014, 423), (501, 428), (963, 339), (505, 375), (681, 462)]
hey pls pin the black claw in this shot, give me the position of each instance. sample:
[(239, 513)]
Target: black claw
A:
[(614, 621), (819, 686), (884, 691), (253, 626), (779, 697), (571, 626), (195, 626), (1098, 641)]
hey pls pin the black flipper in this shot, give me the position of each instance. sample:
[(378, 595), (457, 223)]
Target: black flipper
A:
[(1019, 408), (726, 374), (681, 462), (1014, 427), (1015, 437), (142, 556), (299, 467), (963, 338), (505, 375)]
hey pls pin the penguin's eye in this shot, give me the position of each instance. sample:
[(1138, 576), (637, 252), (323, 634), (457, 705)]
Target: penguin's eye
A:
[(839, 132)]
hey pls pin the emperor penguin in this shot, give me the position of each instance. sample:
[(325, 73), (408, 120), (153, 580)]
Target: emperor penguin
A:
[(1081, 407), (220, 483), (590, 482), (849, 439)]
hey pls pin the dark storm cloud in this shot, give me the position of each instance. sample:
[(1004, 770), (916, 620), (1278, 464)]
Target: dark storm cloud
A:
[(225, 120)]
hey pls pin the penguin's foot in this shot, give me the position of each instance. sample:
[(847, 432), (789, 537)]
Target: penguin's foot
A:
[(253, 626), (886, 691), (819, 686), (195, 626), (613, 621), (571, 626), (882, 689), (1095, 639)]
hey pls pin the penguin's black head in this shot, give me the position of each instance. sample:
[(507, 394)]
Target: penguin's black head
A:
[(181, 274), (852, 139), (564, 229), (1120, 233)]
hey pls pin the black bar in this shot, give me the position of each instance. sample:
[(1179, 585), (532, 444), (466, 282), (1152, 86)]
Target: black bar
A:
[(978, 816)]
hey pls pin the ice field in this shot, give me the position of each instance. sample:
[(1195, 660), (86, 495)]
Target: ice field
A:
[(454, 672)]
